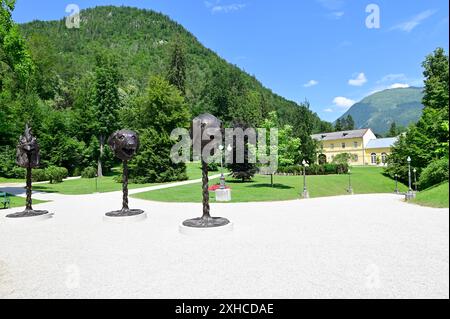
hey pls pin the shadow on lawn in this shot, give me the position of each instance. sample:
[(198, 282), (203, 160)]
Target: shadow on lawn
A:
[(275, 185)]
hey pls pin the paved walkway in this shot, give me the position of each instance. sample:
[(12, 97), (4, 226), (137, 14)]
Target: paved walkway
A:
[(359, 246)]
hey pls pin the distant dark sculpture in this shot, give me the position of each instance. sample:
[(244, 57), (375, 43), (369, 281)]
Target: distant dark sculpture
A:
[(27, 156), (124, 144), (209, 125)]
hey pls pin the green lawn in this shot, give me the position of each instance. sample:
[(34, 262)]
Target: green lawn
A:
[(436, 196), (17, 201), (364, 180), (11, 180), (104, 184)]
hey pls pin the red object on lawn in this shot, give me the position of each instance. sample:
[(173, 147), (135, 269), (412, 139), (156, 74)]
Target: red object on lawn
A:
[(215, 186)]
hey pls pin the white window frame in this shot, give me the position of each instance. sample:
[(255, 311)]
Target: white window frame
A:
[(373, 158)]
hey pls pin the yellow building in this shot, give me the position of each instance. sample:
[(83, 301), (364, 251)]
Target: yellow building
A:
[(365, 147)]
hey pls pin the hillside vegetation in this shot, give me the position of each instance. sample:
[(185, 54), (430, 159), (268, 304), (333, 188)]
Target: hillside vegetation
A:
[(379, 110), (142, 40)]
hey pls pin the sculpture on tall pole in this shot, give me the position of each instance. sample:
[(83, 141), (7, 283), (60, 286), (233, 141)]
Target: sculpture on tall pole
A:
[(124, 144), (203, 127), (27, 156)]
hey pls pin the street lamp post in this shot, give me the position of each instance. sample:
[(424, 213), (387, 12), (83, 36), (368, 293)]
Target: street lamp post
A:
[(396, 184), (222, 177), (350, 189), (305, 193), (409, 195), (415, 179)]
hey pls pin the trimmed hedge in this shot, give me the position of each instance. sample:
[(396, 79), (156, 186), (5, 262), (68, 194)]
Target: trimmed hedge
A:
[(56, 174), (89, 172), (315, 169)]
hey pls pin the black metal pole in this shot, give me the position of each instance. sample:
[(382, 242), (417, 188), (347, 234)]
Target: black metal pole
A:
[(396, 183), (125, 186), (206, 214), (409, 177), (29, 200)]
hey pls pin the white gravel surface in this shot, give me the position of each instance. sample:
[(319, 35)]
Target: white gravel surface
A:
[(362, 246)]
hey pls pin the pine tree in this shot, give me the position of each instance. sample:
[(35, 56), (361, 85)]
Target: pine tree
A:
[(246, 170), (106, 101), (349, 123), (176, 74), (338, 126), (393, 130), (154, 116)]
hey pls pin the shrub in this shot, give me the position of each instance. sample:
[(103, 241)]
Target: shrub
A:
[(213, 167), (56, 174), (435, 173), (8, 166), (77, 171), (39, 175), (89, 172), (344, 158), (18, 172), (314, 169)]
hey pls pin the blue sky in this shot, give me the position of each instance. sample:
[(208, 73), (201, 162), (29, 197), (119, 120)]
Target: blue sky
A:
[(319, 50)]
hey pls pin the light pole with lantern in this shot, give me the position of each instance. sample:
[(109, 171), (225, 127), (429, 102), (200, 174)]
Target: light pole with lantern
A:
[(222, 177), (305, 193), (409, 195), (350, 189), (396, 184), (415, 179)]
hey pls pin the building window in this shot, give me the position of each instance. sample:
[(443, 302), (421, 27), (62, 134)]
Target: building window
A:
[(373, 158), (332, 146), (383, 158), (356, 158), (322, 159), (343, 145), (355, 144)]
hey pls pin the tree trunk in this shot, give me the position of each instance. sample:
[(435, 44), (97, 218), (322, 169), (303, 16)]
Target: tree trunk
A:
[(101, 140)]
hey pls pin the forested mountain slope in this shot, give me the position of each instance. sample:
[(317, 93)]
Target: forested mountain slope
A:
[(141, 40)]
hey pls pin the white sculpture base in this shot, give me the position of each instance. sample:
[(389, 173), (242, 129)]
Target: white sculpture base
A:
[(31, 219), (410, 195), (196, 231), (223, 195), (125, 219)]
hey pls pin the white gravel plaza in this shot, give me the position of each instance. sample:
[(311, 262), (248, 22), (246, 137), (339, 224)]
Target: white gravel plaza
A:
[(361, 246)]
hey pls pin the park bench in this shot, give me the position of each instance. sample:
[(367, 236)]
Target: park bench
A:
[(4, 199)]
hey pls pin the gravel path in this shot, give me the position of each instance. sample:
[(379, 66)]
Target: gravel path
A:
[(360, 246)]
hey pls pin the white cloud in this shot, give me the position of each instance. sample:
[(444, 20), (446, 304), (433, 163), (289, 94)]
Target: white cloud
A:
[(409, 25), (338, 14), (310, 83), (394, 81), (389, 78), (331, 4), (359, 81), (398, 85), (328, 110), (217, 7), (343, 102)]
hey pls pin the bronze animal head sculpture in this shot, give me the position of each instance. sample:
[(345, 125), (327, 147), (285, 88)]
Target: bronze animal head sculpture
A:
[(27, 150), (206, 136), (124, 143), (203, 128)]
